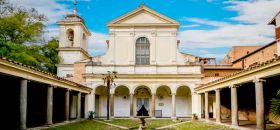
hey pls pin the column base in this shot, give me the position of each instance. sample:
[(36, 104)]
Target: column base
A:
[(234, 126), (174, 118), (48, 124), (207, 120), (218, 121)]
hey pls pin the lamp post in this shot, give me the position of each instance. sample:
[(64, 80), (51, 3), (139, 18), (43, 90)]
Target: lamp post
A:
[(109, 80)]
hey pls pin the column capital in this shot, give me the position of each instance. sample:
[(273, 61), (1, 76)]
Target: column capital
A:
[(195, 93), (258, 80), (234, 86), (218, 89)]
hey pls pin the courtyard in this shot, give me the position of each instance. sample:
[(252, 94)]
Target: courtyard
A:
[(133, 124), (141, 65)]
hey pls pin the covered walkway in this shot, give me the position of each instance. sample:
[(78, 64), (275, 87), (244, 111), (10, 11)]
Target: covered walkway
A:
[(248, 94), (32, 97)]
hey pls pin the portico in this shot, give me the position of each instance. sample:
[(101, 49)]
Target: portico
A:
[(261, 80), (37, 97), (160, 101)]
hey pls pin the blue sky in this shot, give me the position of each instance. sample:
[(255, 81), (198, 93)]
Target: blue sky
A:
[(208, 27), (99, 12)]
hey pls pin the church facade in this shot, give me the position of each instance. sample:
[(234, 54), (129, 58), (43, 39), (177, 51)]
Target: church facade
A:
[(152, 74), (143, 49)]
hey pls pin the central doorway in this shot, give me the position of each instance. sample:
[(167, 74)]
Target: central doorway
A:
[(142, 102), (142, 98)]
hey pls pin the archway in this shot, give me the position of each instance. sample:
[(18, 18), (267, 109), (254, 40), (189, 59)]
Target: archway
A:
[(101, 101), (142, 96), (163, 102), (183, 102), (121, 102), (70, 37)]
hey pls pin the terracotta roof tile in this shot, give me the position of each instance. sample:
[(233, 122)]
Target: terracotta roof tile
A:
[(42, 71), (245, 70)]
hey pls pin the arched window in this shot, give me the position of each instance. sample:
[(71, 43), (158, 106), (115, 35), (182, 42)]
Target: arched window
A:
[(142, 52), (70, 36)]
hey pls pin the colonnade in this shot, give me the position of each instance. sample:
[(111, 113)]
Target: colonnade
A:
[(259, 98), (49, 107)]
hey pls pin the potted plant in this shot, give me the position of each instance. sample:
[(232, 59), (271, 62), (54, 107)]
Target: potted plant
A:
[(91, 114), (194, 116)]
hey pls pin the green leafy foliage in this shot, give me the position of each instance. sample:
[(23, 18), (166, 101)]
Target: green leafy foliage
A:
[(19, 25), (21, 38), (43, 57), (275, 106)]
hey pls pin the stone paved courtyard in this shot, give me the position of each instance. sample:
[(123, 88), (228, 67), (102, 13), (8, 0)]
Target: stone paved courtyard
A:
[(132, 124)]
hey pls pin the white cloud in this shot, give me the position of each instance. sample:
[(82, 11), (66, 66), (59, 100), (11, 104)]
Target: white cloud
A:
[(53, 10), (206, 22), (258, 11), (97, 44), (190, 26), (51, 33), (249, 27)]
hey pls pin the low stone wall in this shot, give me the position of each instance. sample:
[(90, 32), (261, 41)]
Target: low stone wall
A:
[(244, 114)]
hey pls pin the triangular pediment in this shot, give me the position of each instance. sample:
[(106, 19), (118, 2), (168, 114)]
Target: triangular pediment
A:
[(143, 16)]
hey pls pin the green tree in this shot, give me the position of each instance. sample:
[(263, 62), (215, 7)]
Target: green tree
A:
[(19, 25), (275, 106), (50, 50), (44, 57), (20, 34)]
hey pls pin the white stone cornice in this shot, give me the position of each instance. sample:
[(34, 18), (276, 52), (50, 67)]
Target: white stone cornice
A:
[(258, 80)]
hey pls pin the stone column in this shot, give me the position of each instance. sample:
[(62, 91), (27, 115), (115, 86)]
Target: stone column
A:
[(67, 101), (131, 105), (173, 105), (49, 105), (234, 105), (206, 105), (259, 104), (112, 105), (218, 105), (23, 103), (93, 102), (79, 106), (153, 105)]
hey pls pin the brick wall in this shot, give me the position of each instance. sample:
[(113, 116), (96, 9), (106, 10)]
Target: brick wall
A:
[(218, 72), (261, 56), (277, 33), (79, 70), (237, 52)]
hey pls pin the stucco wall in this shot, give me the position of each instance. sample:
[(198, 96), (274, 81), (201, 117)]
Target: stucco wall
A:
[(62, 71), (122, 106), (163, 46)]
